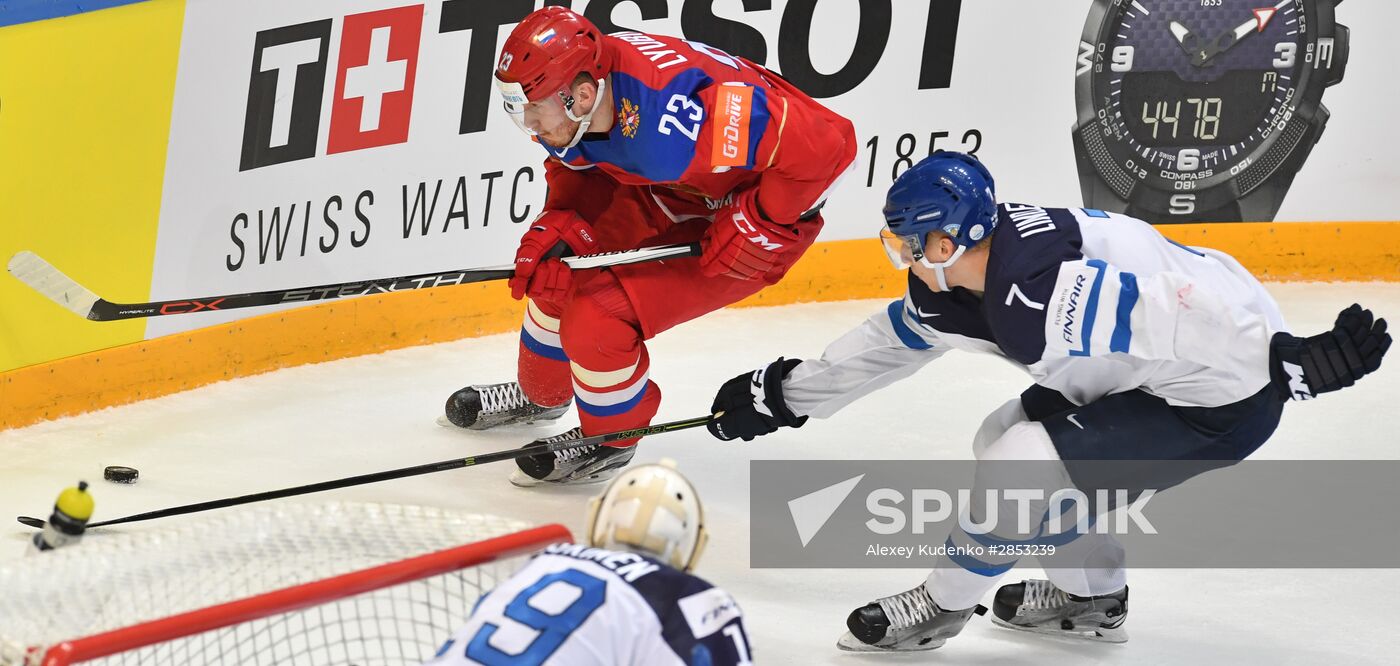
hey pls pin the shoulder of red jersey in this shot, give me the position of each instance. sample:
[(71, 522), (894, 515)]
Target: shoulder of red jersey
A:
[(681, 107)]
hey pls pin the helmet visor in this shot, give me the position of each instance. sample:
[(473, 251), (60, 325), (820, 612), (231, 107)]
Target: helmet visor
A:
[(902, 251), (544, 117)]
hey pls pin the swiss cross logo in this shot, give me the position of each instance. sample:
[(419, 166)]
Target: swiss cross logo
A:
[(373, 96), (374, 80)]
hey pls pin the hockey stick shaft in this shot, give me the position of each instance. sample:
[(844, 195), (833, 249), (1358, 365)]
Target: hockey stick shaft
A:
[(43, 277), (403, 472)]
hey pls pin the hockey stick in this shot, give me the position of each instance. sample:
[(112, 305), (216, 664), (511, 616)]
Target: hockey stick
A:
[(417, 470), (42, 277)]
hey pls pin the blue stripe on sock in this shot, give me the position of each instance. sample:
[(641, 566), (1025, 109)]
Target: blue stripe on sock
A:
[(611, 410), (975, 565), (553, 353)]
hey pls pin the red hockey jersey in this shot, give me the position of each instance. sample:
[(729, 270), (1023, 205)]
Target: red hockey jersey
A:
[(697, 125)]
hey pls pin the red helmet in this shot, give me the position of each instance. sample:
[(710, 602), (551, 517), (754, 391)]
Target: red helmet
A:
[(547, 50)]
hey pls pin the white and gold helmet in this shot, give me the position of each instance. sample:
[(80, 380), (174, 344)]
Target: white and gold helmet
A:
[(652, 510)]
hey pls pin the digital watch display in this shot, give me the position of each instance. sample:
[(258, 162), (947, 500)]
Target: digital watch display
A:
[(1201, 110)]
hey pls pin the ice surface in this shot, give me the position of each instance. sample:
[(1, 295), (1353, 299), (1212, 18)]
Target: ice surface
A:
[(372, 413)]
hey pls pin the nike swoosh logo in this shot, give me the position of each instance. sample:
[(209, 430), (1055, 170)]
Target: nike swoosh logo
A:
[(926, 315), (1075, 421)]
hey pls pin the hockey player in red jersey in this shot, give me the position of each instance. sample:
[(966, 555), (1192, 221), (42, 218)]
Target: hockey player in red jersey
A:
[(650, 140)]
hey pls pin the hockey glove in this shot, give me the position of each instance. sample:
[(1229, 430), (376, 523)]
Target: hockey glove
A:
[(538, 272), (1301, 368), (743, 243), (753, 404)]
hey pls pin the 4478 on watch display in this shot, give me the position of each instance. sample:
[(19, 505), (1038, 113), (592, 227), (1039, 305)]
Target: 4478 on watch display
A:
[(1201, 110)]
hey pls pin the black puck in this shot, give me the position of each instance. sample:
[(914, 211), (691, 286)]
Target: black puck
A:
[(119, 474)]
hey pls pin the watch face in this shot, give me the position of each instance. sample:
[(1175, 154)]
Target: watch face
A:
[(1189, 94)]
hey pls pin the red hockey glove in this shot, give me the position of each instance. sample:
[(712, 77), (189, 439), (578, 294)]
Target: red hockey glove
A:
[(742, 243), (538, 271)]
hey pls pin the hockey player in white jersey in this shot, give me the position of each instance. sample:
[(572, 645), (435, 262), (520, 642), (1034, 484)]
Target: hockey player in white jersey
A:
[(627, 598), (1140, 350)]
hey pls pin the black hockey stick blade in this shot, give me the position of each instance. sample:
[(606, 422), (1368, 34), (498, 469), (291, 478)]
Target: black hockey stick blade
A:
[(44, 278), (403, 472)]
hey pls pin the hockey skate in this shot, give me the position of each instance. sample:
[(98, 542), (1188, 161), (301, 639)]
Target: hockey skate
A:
[(905, 622), (483, 406), (1040, 607), (570, 467)]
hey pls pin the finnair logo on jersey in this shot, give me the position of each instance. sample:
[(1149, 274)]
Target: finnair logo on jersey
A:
[(1072, 308)]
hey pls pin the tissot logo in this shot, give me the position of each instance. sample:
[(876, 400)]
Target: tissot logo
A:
[(373, 100)]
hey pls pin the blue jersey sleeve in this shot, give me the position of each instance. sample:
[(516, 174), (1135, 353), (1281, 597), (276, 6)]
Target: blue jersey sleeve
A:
[(701, 623)]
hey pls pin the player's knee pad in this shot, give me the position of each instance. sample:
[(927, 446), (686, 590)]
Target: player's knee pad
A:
[(1023, 440), (598, 328), (996, 424)]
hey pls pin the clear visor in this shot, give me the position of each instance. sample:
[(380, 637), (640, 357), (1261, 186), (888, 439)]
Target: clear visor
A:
[(544, 117), (902, 251)]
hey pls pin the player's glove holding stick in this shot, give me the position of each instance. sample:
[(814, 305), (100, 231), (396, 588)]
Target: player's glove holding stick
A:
[(751, 405), (1301, 368), (743, 243), (539, 273)]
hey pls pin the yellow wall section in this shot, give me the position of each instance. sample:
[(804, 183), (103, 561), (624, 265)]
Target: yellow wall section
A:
[(831, 271), (85, 105)]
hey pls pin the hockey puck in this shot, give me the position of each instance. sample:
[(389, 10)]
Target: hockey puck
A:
[(119, 474)]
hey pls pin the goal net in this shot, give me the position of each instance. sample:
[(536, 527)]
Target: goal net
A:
[(337, 583)]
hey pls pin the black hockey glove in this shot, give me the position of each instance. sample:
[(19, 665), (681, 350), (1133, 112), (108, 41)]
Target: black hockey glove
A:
[(753, 404), (1301, 368)]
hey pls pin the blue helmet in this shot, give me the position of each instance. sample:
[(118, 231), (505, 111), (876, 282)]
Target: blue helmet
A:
[(948, 192)]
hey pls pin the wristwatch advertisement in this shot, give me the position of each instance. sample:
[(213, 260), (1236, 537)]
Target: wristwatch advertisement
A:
[(1202, 110)]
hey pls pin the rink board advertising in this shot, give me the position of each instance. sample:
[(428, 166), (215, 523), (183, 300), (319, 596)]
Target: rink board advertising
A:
[(323, 141), (988, 516)]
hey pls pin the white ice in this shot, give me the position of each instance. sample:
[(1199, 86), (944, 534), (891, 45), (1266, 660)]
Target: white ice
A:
[(372, 413)]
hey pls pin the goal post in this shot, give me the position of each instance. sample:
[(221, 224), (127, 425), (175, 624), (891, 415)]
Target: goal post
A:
[(265, 586)]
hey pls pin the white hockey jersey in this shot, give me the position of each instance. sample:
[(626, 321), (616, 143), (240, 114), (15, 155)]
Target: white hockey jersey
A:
[(579, 606), (1089, 303)]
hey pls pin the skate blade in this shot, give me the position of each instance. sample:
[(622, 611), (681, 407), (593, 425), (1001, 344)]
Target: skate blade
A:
[(520, 479), (849, 643), (1100, 635), (542, 419)]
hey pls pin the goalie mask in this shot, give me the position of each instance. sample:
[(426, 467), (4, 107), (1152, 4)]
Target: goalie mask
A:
[(652, 510), (539, 62)]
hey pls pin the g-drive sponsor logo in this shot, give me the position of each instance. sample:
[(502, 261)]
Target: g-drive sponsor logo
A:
[(922, 510)]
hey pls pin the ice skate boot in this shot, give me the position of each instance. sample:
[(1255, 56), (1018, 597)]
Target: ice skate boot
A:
[(482, 406), (577, 466), (904, 622), (1040, 607)]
